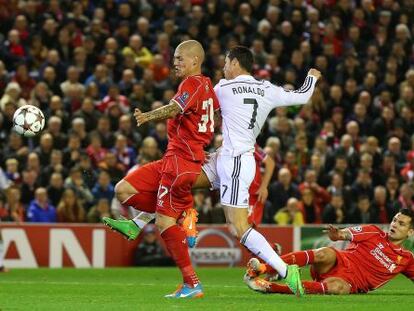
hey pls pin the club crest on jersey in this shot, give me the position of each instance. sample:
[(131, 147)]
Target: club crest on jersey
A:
[(357, 229), (182, 99)]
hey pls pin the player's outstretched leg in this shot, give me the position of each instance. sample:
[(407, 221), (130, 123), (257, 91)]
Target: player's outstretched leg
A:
[(301, 258), (258, 245), (131, 191), (264, 286)]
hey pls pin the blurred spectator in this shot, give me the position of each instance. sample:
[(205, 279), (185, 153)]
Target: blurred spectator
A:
[(11, 97), (149, 251), (141, 54), (279, 193), (362, 212), (405, 199), (29, 186), (125, 155), (290, 215), (126, 129), (88, 113), (103, 188), (55, 129), (335, 211), (56, 166), (40, 210), (76, 182), (362, 185), (15, 209), (101, 209), (12, 171), (382, 206), (55, 188), (70, 208), (114, 98)]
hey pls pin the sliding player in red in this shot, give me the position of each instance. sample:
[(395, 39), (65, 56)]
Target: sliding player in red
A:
[(372, 258)]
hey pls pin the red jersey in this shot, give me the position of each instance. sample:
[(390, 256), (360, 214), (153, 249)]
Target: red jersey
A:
[(191, 130), (259, 156), (376, 260)]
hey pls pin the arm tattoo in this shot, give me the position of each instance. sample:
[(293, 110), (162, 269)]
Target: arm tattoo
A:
[(162, 113)]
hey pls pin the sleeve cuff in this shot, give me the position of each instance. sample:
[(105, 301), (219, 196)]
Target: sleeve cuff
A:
[(178, 104)]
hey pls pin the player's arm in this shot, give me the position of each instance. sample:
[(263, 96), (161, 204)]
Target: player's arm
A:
[(300, 96), (269, 168), (162, 113), (336, 234)]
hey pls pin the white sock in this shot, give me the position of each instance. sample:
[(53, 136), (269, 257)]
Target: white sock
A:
[(1, 253), (258, 245), (143, 218)]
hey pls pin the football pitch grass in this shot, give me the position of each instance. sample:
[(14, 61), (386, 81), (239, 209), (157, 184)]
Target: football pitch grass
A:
[(143, 289)]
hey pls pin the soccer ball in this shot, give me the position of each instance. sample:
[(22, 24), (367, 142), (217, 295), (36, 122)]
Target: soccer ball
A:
[(28, 120)]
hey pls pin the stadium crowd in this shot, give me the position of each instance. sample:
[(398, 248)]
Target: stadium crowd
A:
[(346, 157)]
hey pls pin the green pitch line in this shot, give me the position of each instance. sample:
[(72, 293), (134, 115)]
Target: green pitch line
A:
[(144, 288)]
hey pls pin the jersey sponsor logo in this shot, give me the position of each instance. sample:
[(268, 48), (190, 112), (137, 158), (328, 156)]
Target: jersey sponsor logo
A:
[(182, 99), (382, 258), (357, 229)]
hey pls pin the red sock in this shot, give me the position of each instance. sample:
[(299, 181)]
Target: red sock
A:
[(176, 242), (301, 259), (310, 288), (143, 201)]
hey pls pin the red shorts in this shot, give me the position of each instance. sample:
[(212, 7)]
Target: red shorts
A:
[(165, 185), (146, 181), (343, 269), (177, 179)]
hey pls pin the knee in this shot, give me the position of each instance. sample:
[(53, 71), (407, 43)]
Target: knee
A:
[(163, 223), (122, 191), (324, 255), (338, 288), (240, 228)]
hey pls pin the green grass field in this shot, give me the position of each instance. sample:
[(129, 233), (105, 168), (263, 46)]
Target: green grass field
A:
[(143, 289)]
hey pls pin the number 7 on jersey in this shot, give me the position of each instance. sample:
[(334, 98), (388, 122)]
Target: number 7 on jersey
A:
[(252, 101)]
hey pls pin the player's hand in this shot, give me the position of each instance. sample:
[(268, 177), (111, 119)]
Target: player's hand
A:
[(262, 194), (315, 72), (140, 117), (333, 233)]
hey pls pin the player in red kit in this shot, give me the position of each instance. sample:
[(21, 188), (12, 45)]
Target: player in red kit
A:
[(372, 258), (190, 129), (258, 188)]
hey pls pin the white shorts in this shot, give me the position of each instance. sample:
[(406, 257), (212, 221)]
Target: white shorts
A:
[(210, 169), (236, 174)]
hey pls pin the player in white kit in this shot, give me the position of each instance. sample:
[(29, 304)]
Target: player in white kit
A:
[(245, 104)]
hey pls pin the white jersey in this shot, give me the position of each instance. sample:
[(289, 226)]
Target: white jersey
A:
[(245, 104)]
